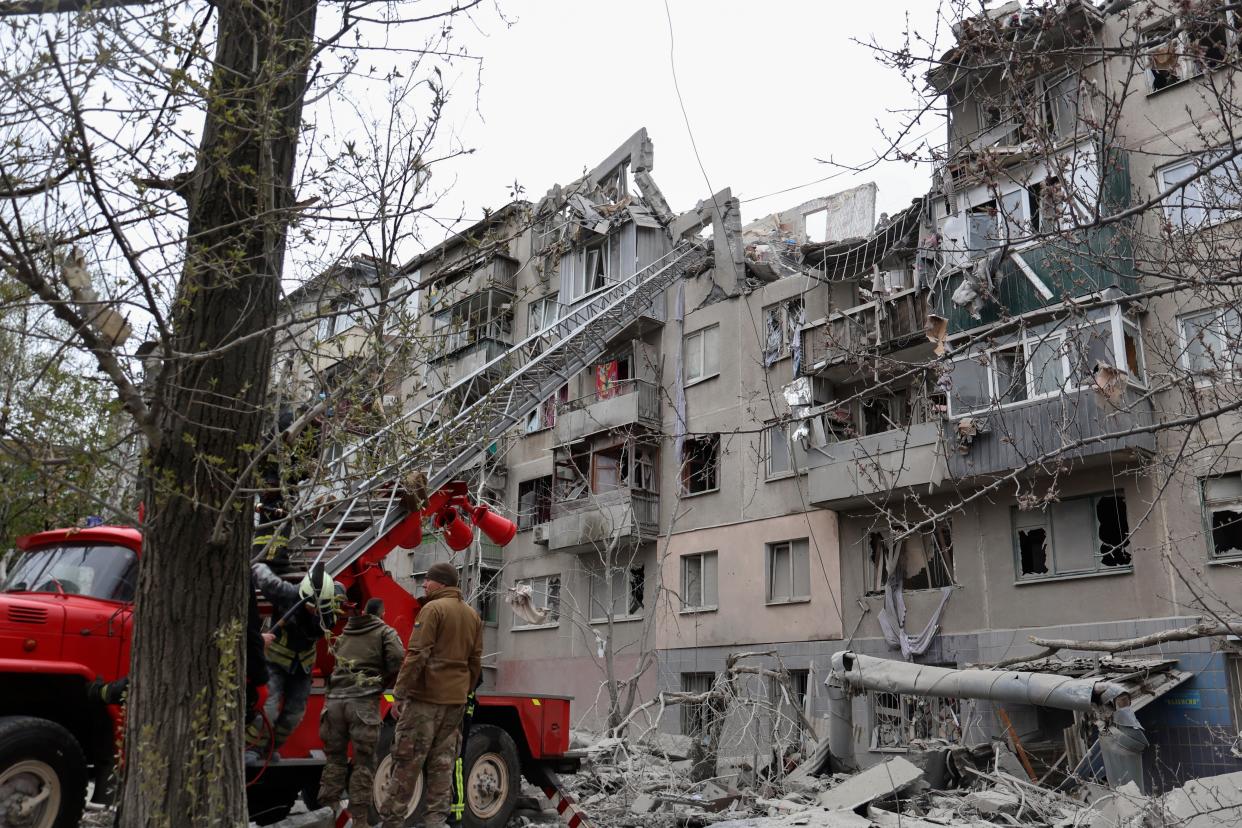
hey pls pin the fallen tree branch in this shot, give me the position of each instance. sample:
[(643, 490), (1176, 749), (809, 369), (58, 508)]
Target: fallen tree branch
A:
[(1200, 630)]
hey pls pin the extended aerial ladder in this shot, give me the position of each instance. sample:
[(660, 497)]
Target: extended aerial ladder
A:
[(448, 441)]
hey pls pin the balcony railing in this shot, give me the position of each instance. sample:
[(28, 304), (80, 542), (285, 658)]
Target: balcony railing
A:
[(592, 517), (449, 344), (623, 403), (865, 329)]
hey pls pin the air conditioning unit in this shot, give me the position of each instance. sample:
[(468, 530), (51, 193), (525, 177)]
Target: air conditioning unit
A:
[(541, 533)]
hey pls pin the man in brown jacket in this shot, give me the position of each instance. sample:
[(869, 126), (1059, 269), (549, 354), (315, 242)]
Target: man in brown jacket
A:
[(368, 654), (442, 666)]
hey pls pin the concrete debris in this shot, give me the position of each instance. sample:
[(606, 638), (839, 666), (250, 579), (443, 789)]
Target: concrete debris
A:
[(637, 785), (992, 801), (878, 781), (1213, 800)]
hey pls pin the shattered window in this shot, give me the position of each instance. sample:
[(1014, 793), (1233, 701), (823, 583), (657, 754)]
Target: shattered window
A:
[(1074, 536), (969, 386), (545, 593), (781, 325), (487, 602), (899, 720), (623, 598), (924, 559), (534, 502), (1009, 374), (542, 312), (694, 715), (787, 702), (700, 464), (779, 445), (1222, 503)]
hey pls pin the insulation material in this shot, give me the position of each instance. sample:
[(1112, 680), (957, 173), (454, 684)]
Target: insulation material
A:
[(937, 330), (1110, 382), (521, 599), (892, 616)]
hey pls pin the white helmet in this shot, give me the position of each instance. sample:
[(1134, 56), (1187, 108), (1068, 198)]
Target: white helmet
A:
[(318, 587)]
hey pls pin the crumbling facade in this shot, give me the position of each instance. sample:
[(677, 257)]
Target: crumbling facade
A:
[(925, 438)]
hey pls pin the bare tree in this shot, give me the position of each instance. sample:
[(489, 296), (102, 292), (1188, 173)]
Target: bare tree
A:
[(154, 148)]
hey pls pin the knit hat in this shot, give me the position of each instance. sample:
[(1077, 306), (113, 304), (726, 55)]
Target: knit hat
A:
[(442, 573)]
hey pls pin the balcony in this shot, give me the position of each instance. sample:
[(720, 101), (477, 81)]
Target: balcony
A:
[(623, 405), (1049, 429), (595, 520), (892, 322), (475, 274), (865, 468)]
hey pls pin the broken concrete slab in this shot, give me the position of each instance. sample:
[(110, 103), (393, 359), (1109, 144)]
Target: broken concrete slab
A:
[(876, 782), (1118, 808), (1212, 800), (644, 804)]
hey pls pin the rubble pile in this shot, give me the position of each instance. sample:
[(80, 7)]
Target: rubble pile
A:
[(647, 784)]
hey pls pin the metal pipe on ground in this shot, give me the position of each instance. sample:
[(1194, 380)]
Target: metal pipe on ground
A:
[(853, 671)]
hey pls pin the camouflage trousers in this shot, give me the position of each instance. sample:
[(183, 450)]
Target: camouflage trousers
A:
[(344, 721), (427, 739)]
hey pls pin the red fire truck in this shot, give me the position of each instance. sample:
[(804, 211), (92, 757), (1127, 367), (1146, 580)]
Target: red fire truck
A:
[(66, 616)]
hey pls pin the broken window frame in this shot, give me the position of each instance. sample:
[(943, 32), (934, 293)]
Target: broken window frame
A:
[(1044, 519), (1200, 200), (937, 543), (539, 491), (545, 593), (1123, 331), (700, 572), (628, 597), (1220, 501), (542, 312), (788, 561), (694, 716), (782, 323), (543, 417), (487, 602), (700, 476), (908, 716), (1177, 34), (777, 439), (788, 727), (701, 355)]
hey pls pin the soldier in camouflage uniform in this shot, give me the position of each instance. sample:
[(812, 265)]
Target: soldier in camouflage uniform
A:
[(368, 654), (442, 666)]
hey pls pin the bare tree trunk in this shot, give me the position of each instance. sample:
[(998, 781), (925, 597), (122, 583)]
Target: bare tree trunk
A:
[(183, 729)]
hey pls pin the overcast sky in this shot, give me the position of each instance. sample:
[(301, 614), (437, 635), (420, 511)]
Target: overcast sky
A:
[(769, 87)]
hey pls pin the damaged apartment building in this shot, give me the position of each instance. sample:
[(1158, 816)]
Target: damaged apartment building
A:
[(925, 438)]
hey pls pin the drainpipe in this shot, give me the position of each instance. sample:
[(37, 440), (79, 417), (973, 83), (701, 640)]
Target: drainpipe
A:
[(840, 723), (853, 671)]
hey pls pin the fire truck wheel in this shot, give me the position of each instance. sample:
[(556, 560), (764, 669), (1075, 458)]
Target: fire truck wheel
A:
[(492, 777), (383, 769), (42, 774)]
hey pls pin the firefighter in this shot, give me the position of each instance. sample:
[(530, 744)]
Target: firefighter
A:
[(442, 665), (303, 615), (368, 654)]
